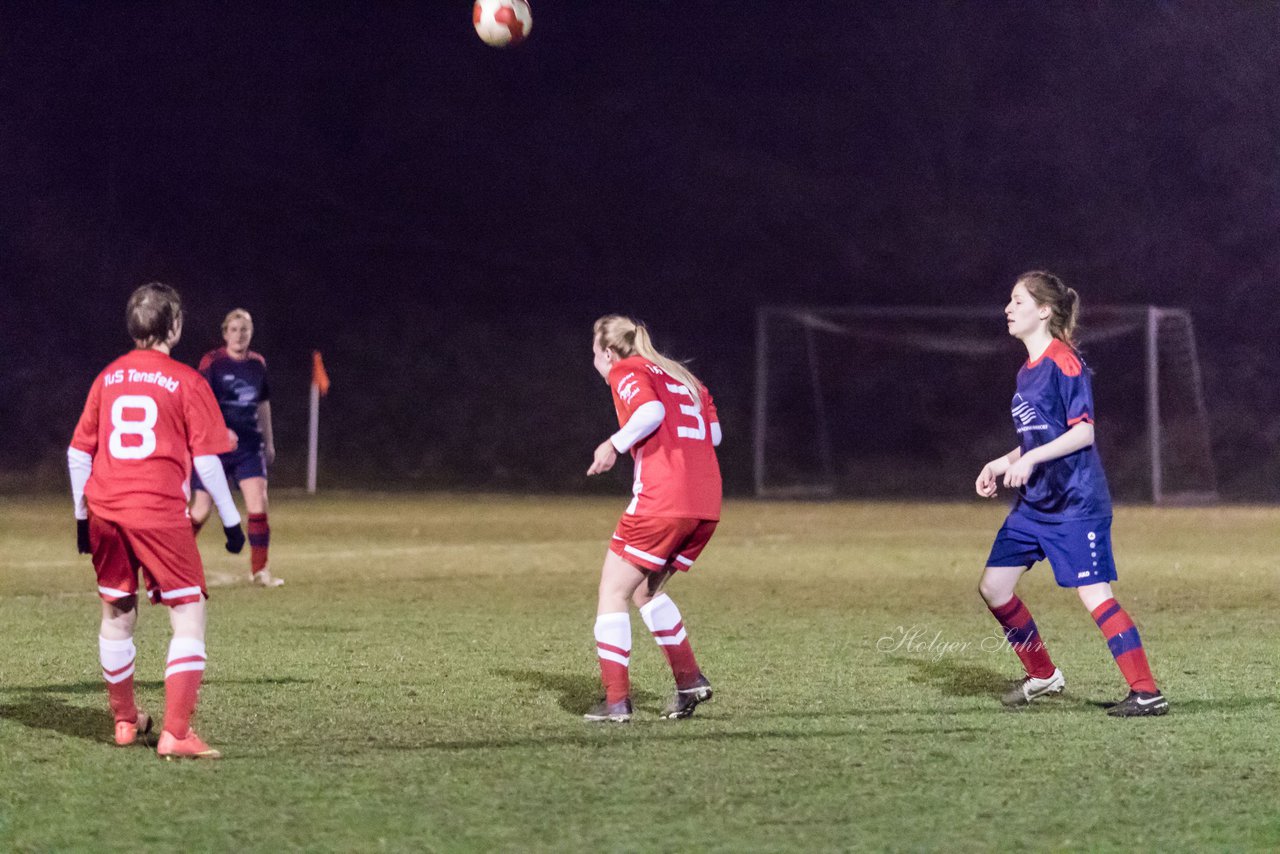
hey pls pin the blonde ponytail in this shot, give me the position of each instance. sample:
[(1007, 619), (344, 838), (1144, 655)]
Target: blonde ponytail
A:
[(627, 337)]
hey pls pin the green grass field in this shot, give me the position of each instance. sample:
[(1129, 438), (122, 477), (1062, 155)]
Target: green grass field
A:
[(418, 683)]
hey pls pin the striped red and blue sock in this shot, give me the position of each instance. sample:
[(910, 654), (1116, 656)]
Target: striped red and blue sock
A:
[(1021, 632), (1126, 646), (259, 541)]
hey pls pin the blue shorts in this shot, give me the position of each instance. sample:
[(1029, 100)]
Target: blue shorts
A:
[(239, 465), (1078, 550)]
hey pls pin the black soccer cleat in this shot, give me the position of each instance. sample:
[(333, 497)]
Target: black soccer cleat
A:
[(687, 699), (606, 712), (1140, 704)]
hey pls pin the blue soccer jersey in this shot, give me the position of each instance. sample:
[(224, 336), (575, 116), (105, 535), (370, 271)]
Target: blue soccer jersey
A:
[(239, 386), (1054, 394)]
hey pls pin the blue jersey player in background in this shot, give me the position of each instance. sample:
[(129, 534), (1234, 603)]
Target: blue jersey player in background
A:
[(1063, 507), (239, 380)]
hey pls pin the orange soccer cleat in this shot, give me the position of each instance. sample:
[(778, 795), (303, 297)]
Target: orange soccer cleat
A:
[(189, 746), (127, 731)]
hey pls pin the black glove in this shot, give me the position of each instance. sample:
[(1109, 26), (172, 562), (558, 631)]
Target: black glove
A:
[(235, 538), (82, 536)]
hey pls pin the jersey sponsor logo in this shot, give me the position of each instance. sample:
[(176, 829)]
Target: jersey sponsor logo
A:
[(1026, 416), (628, 388), (119, 375), (246, 394)]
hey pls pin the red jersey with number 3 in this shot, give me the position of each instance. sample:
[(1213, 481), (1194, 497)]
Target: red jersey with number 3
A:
[(147, 415), (676, 472)]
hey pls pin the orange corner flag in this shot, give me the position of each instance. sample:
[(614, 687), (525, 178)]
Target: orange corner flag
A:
[(319, 377)]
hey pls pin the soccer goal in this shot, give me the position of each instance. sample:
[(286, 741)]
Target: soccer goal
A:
[(899, 402)]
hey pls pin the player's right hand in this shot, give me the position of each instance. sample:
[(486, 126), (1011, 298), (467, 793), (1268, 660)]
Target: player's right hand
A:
[(604, 458), (82, 537), (235, 538), (986, 482)]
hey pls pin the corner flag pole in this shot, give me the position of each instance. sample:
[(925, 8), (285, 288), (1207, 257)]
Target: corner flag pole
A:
[(319, 388)]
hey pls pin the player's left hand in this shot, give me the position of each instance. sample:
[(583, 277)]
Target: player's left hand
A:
[(1019, 473), (82, 537), (270, 453), (606, 455)]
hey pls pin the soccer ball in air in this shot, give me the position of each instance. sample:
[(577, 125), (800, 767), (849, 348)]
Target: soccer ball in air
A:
[(502, 22)]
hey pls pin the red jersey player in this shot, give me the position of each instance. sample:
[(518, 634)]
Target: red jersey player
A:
[(147, 419), (669, 424)]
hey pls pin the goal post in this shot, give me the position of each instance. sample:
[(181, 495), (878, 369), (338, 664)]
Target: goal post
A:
[(902, 401)]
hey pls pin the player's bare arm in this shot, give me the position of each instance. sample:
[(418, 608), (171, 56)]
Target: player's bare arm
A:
[(991, 473), (1078, 437)]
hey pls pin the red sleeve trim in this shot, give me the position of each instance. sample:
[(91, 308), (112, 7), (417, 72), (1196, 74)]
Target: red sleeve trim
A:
[(1066, 360), (1086, 418)]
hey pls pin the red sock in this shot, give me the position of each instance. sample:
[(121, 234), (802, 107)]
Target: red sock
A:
[(182, 679), (1024, 637), (613, 648), (117, 657), (1126, 646), (663, 619), (259, 541)]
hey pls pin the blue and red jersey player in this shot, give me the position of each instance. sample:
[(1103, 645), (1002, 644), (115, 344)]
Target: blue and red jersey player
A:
[(1062, 511), (238, 377), (668, 423), (147, 421)]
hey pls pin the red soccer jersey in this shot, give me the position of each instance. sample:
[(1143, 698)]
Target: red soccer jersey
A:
[(676, 472), (147, 415)]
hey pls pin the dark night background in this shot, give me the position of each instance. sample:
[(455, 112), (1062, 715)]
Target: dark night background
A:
[(444, 220)]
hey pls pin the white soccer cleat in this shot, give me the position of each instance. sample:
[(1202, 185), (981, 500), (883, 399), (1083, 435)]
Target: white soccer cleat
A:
[(264, 578), (1031, 688)]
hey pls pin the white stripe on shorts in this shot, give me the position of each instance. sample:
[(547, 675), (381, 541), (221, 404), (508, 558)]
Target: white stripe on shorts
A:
[(684, 560), (644, 555), (179, 593), (113, 593)]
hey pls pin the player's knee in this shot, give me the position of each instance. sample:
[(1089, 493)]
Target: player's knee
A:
[(992, 592), (1093, 595), (121, 608), (641, 596)]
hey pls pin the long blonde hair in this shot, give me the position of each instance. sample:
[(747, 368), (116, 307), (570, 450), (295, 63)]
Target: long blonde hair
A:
[(628, 337)]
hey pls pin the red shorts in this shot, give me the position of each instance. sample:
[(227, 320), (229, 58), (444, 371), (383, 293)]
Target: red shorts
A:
[(168, 558), (656, 542)]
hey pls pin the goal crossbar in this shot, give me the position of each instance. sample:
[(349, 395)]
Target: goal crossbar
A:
[(1105, 322)]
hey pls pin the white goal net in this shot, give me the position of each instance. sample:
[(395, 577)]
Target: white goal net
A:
[(903, 402)]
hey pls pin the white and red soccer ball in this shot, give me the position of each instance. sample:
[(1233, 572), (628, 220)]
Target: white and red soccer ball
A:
[(502, 22)]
